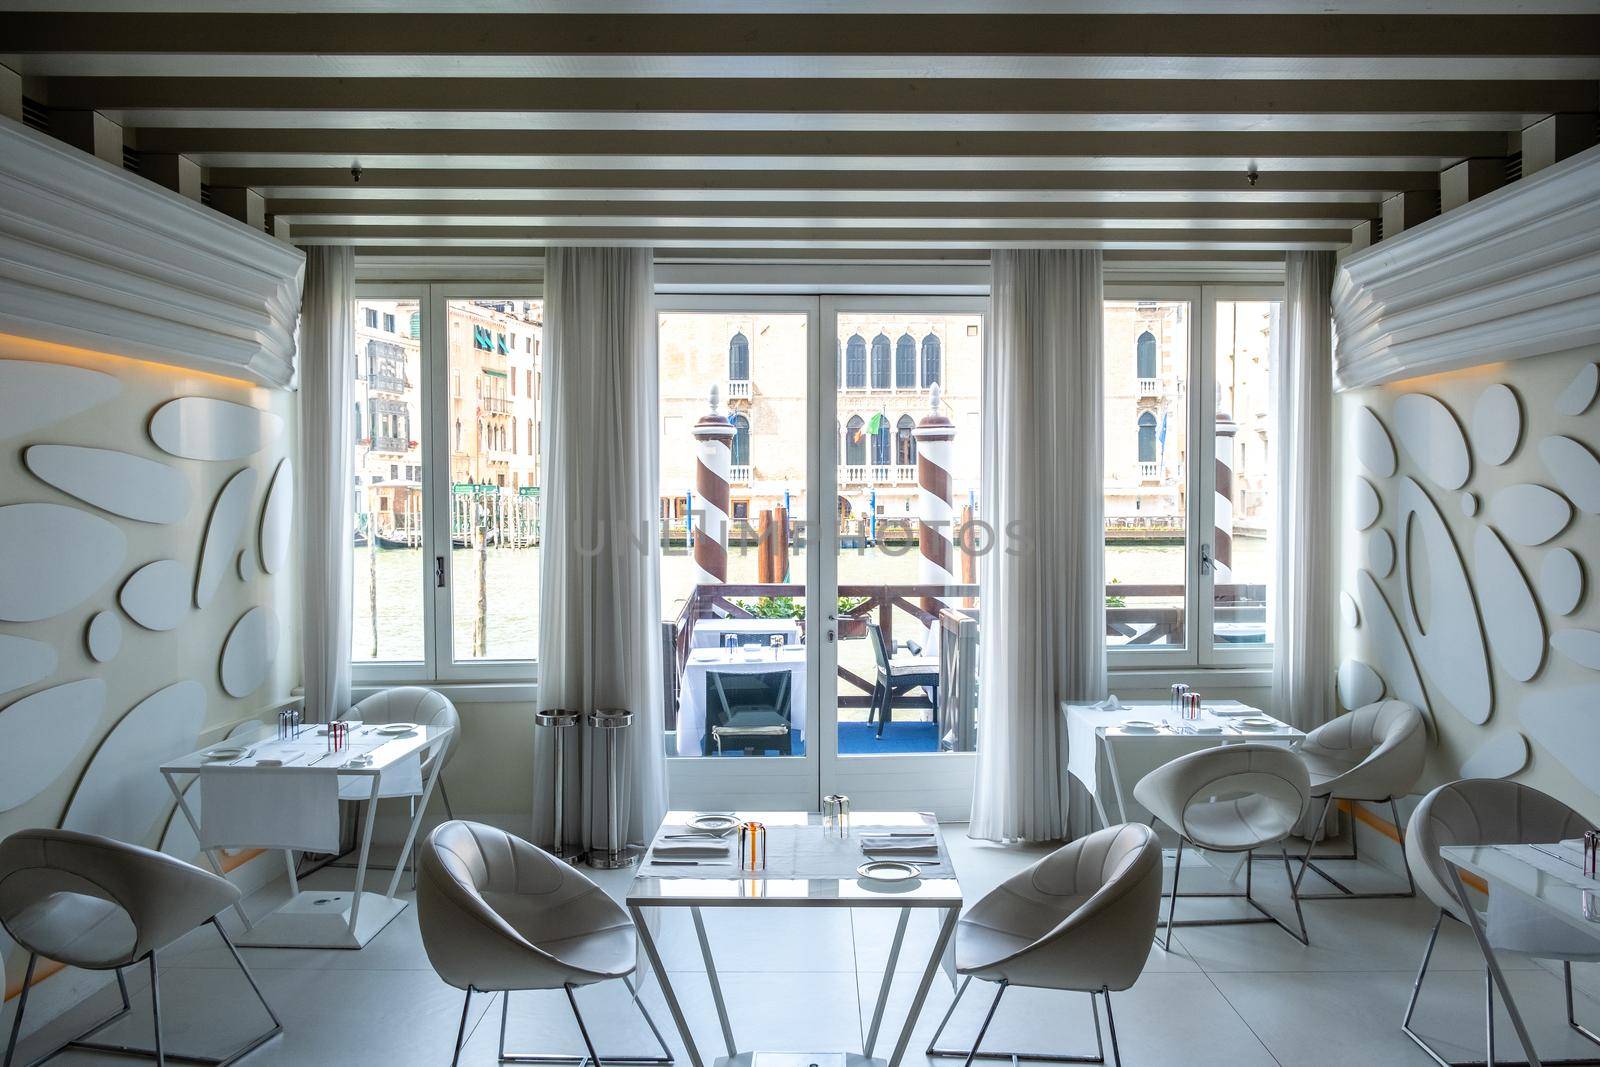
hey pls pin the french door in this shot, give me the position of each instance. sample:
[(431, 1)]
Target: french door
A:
[(840, 458)]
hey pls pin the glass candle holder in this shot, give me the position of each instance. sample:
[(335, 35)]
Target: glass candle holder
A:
[(1591, 852), (836, 815), (752, 846)]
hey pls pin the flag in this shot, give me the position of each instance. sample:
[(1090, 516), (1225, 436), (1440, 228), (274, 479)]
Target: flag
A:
[(875, 424)]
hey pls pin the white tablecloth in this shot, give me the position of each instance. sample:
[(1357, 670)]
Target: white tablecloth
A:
[(708, 632), (702, 661)]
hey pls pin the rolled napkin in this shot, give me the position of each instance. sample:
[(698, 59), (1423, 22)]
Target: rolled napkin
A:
[(688, 849), (910, 846)]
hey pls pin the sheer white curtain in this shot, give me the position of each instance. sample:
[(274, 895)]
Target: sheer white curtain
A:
[(599, 584), (1043, 585), (1303, 628), (327, 339)]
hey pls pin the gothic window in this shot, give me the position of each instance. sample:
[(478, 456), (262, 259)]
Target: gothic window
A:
[(855, 441), (741, 441), (739, 358), (1147, 438), (1146, 355), (931, 360), (855, 362), (880, 362), (905, 442)]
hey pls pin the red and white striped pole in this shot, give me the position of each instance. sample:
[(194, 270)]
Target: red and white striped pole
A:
[(1222, 530), (713, 436), (935, 436)]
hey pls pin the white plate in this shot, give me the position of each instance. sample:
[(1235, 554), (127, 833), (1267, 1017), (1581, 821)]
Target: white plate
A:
[(714, 823), (889, 871), (397, 729), (1258, 722), (1140, 725), (227, 753)]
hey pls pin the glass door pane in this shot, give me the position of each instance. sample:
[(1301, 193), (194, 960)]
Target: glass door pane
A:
[(1147, 473), (733, 497)]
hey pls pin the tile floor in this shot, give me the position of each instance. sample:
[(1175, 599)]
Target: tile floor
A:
[(806, 980)]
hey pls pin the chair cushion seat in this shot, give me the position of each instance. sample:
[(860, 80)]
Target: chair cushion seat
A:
[(751, 722), (77, 929), (914, 665), (1324, 770), (1011, 923), (608, 953), (1237, 825)]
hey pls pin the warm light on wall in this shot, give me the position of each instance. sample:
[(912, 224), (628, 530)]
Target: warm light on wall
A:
[(17, 347)]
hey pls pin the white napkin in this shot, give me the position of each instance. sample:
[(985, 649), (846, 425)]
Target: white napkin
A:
[(911, 846), (1110, 703), (676, 849)]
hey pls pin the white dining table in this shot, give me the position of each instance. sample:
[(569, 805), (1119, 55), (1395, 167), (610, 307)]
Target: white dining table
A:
[(1098, 736), (284, 794), (708, 633), (1542, 880), (702, 661), (806, 868)]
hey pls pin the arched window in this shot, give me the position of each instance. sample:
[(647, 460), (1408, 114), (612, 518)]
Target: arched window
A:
[(1147, 438), (880, 442), (855, 441), (855, 362), (905, 442), (741, 441), (880, 361), (931, 360), (739, 358), (905, 362), (1146, 355)]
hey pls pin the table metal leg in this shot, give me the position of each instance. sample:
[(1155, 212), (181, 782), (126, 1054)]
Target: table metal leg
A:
[(654, 956), (209, 853), (1116, 778), (946, 929), (366, 847), (1493, 965), (716, 984), (888, 980), (416, 821)]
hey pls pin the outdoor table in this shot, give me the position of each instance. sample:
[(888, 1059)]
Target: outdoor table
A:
[(702, 661), (708, 633)]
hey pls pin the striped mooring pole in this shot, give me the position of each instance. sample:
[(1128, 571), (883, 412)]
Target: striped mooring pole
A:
[(713, 436), (935, 436)]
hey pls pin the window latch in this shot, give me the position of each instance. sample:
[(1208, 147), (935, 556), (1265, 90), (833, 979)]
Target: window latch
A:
[(1205, 559), (438, 571)]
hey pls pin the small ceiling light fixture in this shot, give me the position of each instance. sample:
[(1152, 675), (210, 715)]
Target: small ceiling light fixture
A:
[(355, 172), (1251, 176)]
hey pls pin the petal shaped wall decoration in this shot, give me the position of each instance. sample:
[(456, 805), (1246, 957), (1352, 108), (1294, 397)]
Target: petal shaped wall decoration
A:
[(1350, 610), (1373, 446), (123, 484), (1359, 684), (24, 661), (247, 566), (228, 520), (1432, 437), (1529, 514), (1496, 424), (1564, 722), (1366, 506), (1499, 757), (1386, 645), (1580, 646), (1469, 504), (1510, 614), (277, 518), (1579, 394), (41, 734), (1450, 648), (200, 427), (248, 653), (104, 637), (122, 793), (52, 558), (1574, 469), (35, 395), (156, 596), (1380, 553), (1561, 581)]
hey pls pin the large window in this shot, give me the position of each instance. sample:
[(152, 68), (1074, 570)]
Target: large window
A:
[(1188, 485), (855, 362), (445, 496), (905, 362), (880, 362), (739, 358)]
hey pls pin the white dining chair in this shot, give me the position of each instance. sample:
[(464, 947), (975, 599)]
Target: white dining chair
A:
[(1236, 798), (103, 905), (423, 706), (500, 915), (1481, 811), (1081, 920), (1376, 754)]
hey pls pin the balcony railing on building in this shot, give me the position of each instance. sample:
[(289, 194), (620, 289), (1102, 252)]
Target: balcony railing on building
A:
[(877, 474), (380, 382), (1149, 471), (496, 405), (739, 472), (739, 389), (390, 443), (1149, 387)]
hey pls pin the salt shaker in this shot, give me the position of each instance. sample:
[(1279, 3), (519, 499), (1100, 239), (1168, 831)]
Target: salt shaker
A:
[(1591, 852), (1179, 692)]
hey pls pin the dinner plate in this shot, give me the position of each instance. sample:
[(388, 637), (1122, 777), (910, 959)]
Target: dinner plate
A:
[(396, 729), (1256, 722), (227, 753), (1140, 725), (888, 871), (714, 823)]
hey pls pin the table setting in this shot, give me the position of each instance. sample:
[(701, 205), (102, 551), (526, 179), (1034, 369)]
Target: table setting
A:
[(750, 659)]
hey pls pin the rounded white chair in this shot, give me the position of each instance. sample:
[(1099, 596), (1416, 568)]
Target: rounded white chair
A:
[(423, 706), (1081, 919), (1479, 811), (102, 905), (1375, 753), (1236, 798), (499, 914)]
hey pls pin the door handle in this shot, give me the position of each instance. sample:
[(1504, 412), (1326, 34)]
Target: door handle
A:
[(1205, 559), (830, 633), (438, 571)]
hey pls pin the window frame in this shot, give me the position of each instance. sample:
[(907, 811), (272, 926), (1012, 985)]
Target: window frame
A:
[(438, 665), (1200, 650)]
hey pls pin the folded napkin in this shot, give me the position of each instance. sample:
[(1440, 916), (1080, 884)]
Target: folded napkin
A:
[(911, 846), (1110, 703), (688, 849)]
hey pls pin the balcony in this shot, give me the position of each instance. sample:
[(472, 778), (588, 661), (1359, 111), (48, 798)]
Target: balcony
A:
[(1149, 472), (495, 405), (739, 390), (905, 474), (1149, 387), (389, 443), (380, 382), (853, 474), (739, 472)]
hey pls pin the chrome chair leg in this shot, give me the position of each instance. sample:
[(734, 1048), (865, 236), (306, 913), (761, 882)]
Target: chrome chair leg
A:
[(22, 1006), (461, 1031), (1572, 1019), (1016, 1058), (594, 1057), (1248, 896), (560, 1060), (1172, 908), (987, 1019), (1111, 1025), (1342, 891), (155, 1009), (444, 795)]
